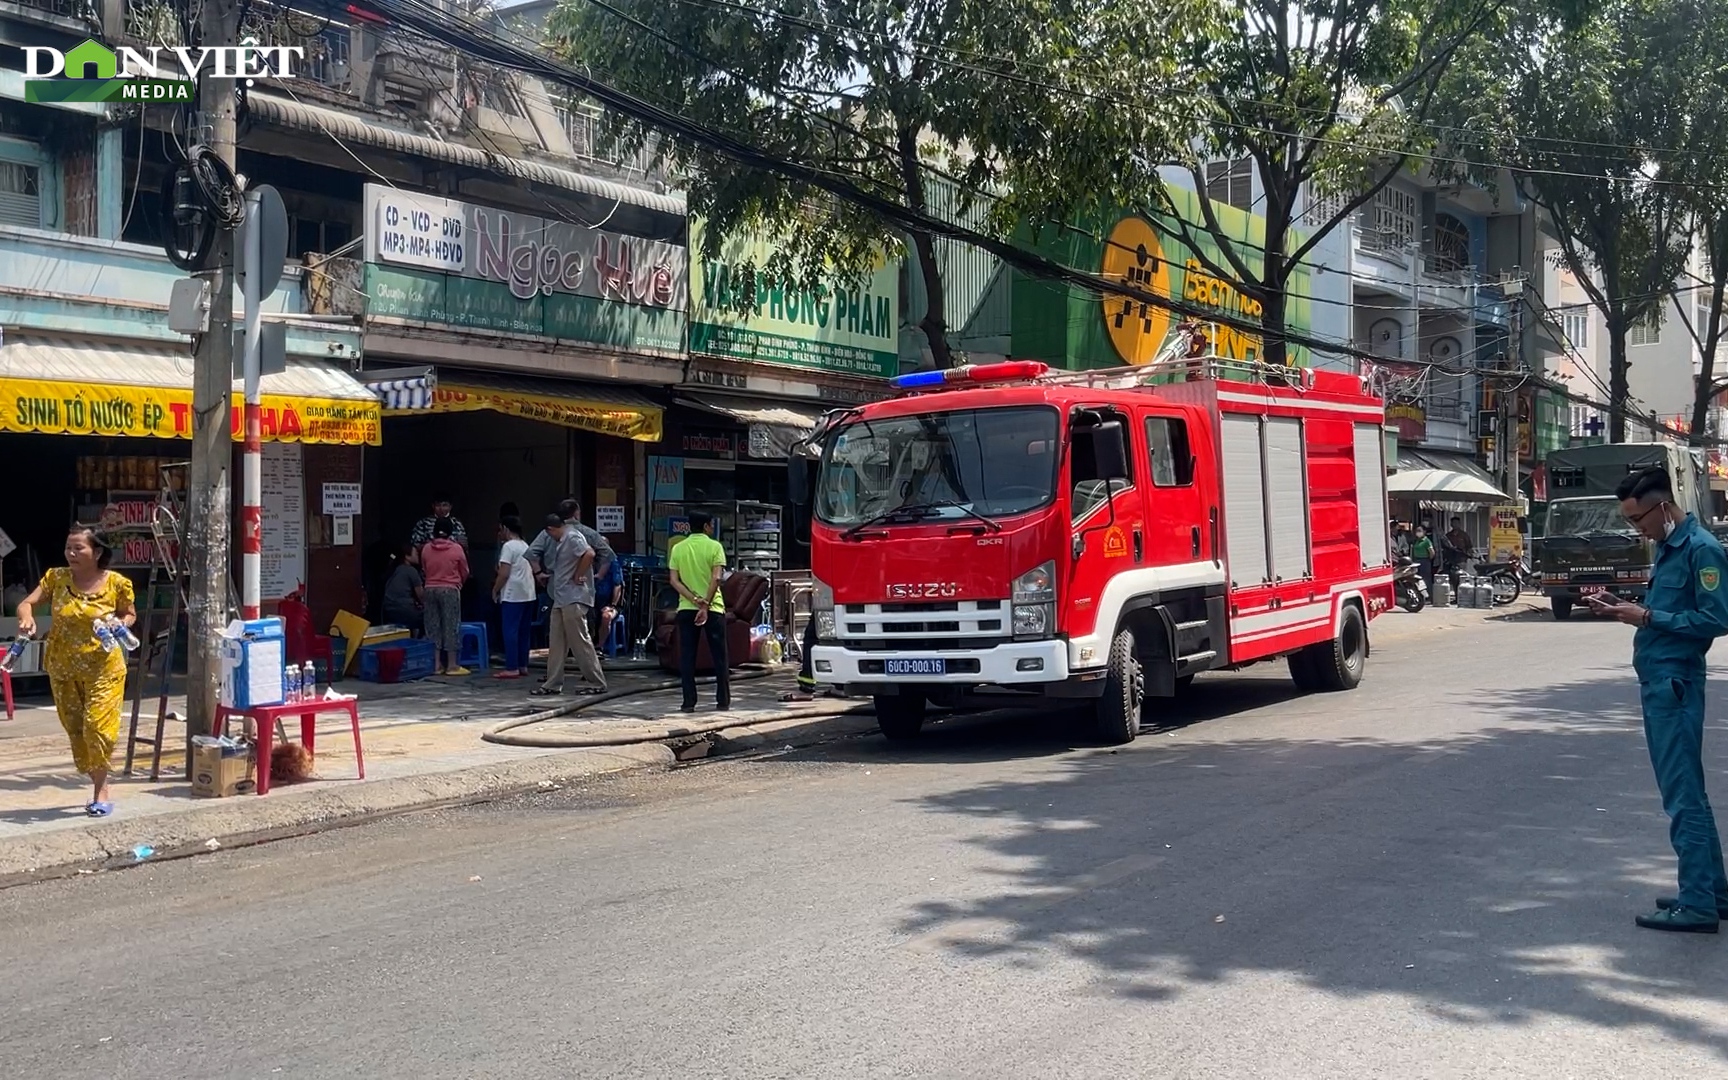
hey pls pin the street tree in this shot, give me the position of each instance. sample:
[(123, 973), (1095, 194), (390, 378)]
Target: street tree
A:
[(1703, 170), (1593, 123), (925, 102), (1329, 100)]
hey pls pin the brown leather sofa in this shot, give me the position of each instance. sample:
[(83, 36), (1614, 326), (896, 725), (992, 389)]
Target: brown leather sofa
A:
[(743, 594)]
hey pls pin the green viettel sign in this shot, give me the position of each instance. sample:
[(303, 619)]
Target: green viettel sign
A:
[(94, 72)]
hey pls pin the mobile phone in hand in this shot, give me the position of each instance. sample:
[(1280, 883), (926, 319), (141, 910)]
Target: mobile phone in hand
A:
[(1604, 599)]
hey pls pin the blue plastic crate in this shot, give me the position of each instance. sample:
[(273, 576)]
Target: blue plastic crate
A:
[(420, 659)]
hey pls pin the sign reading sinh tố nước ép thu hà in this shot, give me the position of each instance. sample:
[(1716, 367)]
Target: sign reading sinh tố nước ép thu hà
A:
[(436, 260), (842, 328)]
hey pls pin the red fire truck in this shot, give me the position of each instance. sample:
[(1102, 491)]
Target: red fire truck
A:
[(1100, 535)]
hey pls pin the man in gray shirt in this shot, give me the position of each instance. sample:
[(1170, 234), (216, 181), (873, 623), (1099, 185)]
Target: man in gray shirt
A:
[(571, 583), (571, 511)]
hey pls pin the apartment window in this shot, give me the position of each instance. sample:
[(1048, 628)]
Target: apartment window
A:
[(327, 57), (1575, 322), (1231, 183), (314, 237), (20, 194), (27, 190), (1392, 219), (1320, 209), (501, 97), (1648, 330), (1451, 243)]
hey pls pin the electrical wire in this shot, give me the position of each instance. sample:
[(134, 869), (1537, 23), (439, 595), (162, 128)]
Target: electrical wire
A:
[(466, 35), (1327, 116)]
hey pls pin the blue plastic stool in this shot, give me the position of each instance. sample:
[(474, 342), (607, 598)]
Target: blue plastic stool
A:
[(475, 652), (618, 639)]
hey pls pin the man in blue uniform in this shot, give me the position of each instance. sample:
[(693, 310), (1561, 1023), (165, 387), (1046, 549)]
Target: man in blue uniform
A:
[(1685, 611)]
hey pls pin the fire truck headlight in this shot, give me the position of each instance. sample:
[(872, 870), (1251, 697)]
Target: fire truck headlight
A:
[(1032, 620), (1037, 585), (822, 609)]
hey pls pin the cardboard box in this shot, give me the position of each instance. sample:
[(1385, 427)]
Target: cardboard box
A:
[(218, 771)]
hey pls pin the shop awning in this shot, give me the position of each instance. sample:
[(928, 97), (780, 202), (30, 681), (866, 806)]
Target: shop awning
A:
[(68, 386), (604, 410), (1441, 459), (380, 135), (1442, 485), (773, 425), (402, 389)]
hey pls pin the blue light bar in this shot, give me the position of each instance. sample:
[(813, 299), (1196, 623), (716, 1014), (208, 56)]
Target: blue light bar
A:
[(918, 379)]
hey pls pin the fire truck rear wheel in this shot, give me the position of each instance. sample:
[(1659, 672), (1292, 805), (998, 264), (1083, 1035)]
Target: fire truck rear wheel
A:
[(1339, 663), (900, 716), (1302, 671), (1118, 709)]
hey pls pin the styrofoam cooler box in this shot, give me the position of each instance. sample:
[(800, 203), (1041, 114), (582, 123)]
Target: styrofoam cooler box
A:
[(254, 654)]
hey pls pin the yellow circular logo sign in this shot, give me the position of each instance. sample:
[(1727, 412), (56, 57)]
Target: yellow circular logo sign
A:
[(1133, 256)]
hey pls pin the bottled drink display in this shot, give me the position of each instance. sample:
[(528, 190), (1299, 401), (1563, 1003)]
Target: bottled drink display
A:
[(291, 684)]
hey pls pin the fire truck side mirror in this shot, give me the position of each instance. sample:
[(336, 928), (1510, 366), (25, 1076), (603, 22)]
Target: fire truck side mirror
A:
[(1110, 451), (797, 479)]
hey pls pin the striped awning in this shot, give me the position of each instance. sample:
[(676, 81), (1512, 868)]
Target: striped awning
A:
[(403, 389)]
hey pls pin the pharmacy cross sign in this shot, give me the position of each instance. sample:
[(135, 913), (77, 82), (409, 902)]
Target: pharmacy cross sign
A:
[(93, 72)]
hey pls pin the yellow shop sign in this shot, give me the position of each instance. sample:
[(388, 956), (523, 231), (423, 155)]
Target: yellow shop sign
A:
[(75, 408)]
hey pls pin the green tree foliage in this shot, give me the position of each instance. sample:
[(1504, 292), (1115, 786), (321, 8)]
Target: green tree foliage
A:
[(1594, 123), (1329, 99), (895, 97)]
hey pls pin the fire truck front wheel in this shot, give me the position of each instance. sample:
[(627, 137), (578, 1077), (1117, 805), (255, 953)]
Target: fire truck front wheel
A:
[(1118, 708), (900, 716)]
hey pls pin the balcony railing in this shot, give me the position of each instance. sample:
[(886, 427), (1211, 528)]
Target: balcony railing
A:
[(66, 9)]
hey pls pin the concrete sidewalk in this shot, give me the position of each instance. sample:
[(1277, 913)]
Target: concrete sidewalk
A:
[(423, 746)]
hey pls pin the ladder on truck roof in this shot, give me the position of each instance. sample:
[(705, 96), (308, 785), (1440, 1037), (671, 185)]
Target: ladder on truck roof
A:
[(1174, 364)]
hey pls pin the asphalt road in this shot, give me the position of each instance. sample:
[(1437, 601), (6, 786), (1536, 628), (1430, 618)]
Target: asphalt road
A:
[(1434, 876)]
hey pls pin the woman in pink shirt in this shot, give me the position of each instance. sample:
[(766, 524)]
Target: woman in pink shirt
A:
[(445, 565)]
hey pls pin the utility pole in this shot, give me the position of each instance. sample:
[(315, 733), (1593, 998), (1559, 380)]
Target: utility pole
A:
[(209, 505), (1510, 432)]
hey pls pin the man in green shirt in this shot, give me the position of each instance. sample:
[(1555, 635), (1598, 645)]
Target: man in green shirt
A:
[(1423, 552), (697, 562)]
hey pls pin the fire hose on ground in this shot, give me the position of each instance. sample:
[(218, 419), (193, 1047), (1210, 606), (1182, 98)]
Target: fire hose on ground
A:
[(645, 731)]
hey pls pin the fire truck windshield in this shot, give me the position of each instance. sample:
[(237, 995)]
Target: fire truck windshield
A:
[(955, 464)]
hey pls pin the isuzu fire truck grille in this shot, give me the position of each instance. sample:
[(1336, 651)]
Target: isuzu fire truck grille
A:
[(960, 624), (947, 644)]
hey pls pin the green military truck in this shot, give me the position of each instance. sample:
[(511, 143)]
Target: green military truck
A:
[(1587, 546)]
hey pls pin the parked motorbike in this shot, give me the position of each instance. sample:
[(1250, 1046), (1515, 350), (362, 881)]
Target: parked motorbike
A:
[(1506, 579), (1408, 586)]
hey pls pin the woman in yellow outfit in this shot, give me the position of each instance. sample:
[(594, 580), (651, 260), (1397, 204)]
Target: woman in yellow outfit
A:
[(88, 681)]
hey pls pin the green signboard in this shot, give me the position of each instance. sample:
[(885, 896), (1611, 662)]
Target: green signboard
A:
[(1075, 328), (844, 329), (490, 305)]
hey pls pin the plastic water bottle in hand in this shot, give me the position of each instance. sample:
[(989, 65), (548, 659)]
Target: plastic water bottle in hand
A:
[(105, 635), (122, 633), (14, 651)]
